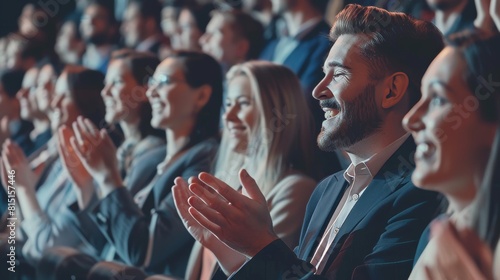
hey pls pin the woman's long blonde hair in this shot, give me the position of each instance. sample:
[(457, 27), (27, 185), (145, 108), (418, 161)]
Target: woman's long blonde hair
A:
[(283, 136)]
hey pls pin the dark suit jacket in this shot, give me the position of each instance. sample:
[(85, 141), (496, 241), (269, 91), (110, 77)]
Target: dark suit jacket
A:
[(377, 240), (130, 228)]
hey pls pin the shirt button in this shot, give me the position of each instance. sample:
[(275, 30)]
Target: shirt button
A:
[(336, 230), (355, 197)]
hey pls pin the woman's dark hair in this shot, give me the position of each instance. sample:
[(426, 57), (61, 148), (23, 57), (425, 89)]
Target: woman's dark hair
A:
[(482, 64), (201, 13), (85, 87), (481, 57), (142, 66), (201, 69)]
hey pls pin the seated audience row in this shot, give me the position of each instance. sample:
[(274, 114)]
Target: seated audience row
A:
[(124, 163)]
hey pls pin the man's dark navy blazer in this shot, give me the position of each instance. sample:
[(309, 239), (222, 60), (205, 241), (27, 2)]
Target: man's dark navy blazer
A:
[(377, 240)]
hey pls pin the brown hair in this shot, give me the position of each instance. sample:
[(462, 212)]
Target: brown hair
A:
[(396, 42)]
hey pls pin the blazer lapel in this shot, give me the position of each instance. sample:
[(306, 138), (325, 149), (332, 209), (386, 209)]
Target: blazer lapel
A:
[(321, 216), (297, 58), (268, 52), (386, 181), (377, 191)]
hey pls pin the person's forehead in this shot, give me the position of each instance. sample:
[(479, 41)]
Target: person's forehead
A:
[(446, 70), (239, 86), (346, 50), (96, 10)]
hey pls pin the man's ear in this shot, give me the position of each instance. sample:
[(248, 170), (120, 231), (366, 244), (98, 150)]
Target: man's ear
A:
[(396, 86), (203, 95)]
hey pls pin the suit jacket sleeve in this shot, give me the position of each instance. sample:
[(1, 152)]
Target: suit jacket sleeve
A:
[(44, 231), (393, 254), (149, 239), (275, 261)]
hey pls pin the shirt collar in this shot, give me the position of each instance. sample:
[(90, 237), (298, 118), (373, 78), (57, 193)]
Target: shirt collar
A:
[(371, 166), (304, 29), (146, 44)]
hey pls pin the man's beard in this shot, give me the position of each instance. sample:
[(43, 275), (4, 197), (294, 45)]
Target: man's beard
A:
[(360, 119)]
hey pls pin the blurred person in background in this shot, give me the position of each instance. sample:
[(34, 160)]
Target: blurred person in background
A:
[(192, 23), (99, 29), (11, 124), (169, 21), (30, 111), (232, 37), (44, 196), (452, 16), (141, 26), (70, 46)]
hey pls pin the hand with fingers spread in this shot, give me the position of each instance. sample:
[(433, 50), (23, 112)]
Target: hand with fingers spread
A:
[(460, 254), (74, 166), (243, 223), (14, 159), (229, 259), (97, 152)]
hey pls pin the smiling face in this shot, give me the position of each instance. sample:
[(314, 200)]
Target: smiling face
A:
[(45, 88), (453, 141), (132, 26), (121, 93), (220, 41), (351, 110), (188, 34), (241, 113), (171, 98), (64, 110), (26, 95), (95, 24)]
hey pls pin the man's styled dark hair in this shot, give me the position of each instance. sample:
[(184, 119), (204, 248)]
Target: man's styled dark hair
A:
[(247, 27), (149, 9), (396, 42)]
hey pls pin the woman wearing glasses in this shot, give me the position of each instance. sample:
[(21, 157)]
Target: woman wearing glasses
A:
[(185, 94)]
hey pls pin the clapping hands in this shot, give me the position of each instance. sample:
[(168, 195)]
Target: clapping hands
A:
[(89, 153), (242, 223)]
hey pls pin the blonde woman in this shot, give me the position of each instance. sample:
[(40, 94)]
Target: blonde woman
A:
[(267, 129)]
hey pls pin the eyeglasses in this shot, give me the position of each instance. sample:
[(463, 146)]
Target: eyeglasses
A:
[(161, 81)]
